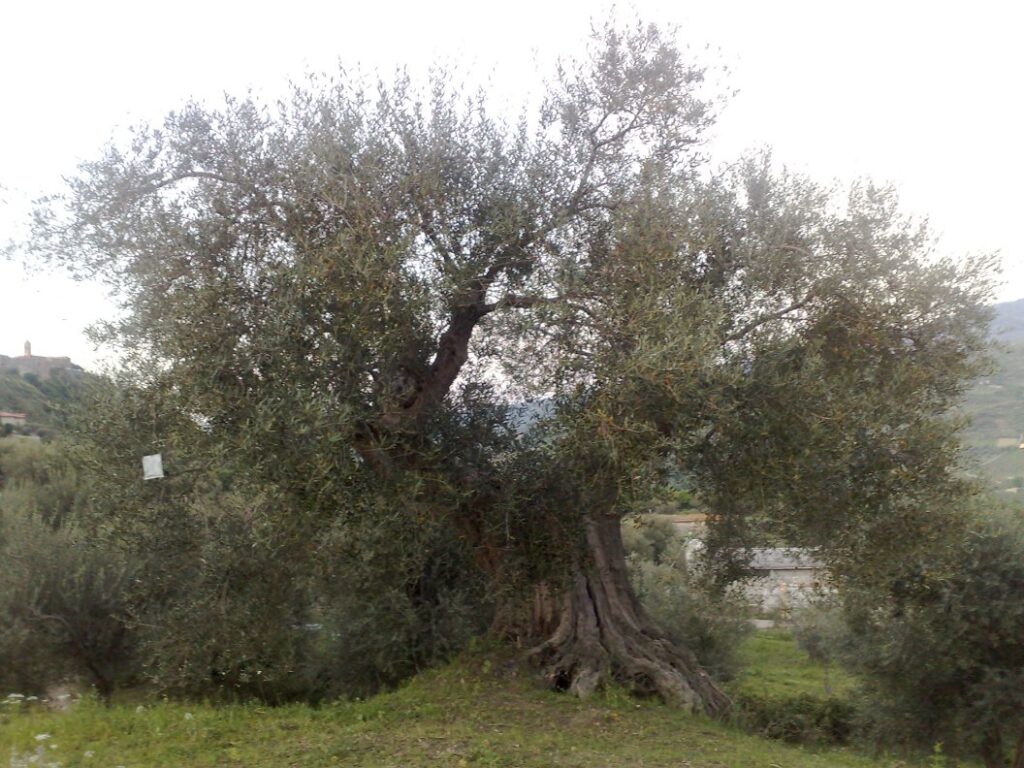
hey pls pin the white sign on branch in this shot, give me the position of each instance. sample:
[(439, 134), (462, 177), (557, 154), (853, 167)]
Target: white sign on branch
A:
[(152, 467)]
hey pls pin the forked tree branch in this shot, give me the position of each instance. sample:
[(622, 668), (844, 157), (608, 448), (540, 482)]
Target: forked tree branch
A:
[(757, 322)]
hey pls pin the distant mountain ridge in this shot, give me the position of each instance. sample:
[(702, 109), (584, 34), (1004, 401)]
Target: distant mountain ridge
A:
[(1008, 323)]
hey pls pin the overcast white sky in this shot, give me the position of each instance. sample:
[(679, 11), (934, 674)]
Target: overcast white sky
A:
[(925, 95)]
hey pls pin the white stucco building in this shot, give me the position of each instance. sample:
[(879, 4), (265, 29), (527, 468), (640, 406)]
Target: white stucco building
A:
[(7, 417), (784, 578)]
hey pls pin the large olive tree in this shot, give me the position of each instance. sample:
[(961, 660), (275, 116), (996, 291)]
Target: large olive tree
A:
[(336, 286)]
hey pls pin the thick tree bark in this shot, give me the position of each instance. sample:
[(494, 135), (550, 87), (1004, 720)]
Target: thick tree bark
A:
[(603, 634), (1018, 757)]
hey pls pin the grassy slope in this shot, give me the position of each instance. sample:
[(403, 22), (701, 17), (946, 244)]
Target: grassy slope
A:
[(774, 666), (484, 710)]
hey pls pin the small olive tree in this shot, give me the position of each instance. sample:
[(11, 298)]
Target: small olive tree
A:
[(63, 594)]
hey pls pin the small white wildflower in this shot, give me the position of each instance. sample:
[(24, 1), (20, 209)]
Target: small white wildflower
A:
[(31, 698), (15, 695), (89, 753), (188, 715), (42, 736), (139, 709)]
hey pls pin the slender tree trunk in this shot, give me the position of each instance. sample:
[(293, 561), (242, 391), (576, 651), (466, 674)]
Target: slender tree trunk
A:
[(603, 634), (992, 752), (1018, 757)]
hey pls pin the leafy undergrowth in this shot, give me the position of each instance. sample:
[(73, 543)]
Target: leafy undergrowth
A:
[(484, 710)]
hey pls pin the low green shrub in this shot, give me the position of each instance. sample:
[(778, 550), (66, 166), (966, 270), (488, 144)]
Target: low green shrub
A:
[(63, 592), (198, 585), (381, 619), (63, 602), (940, 645), (803, 718), (784, 692), (237, 612)]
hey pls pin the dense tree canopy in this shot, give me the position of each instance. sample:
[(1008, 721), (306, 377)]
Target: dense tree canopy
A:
[(342, 293)]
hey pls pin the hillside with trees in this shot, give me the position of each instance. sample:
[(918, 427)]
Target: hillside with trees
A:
[(995, 406), (45, 401)]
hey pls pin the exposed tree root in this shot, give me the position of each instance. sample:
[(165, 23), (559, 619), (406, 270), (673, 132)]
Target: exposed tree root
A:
[(604, 635)]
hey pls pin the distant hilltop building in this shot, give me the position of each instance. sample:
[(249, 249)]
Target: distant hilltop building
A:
[(40, 366)]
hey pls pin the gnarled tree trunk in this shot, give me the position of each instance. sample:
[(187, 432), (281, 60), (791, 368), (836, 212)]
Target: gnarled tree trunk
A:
[(603, 634), (596, 631)]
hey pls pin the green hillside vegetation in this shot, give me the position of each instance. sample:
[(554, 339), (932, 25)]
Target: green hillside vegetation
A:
[(995, 406), (486, 709), (45, 402)]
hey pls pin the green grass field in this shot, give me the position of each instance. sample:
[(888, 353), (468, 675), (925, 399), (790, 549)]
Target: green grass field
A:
[(774, 666), (486, 709)]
